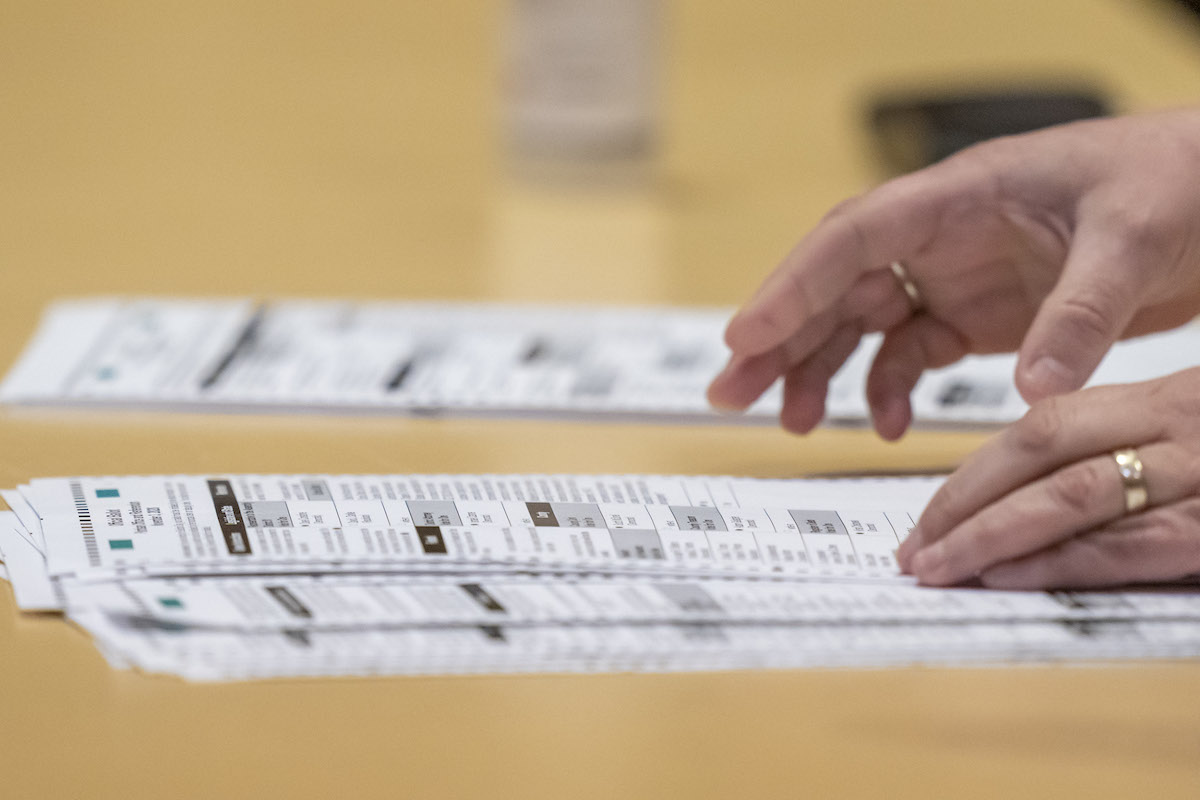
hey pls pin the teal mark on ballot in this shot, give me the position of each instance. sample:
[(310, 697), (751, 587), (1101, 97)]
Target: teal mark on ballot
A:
[(170, 602), (120, 544), (108, 493)]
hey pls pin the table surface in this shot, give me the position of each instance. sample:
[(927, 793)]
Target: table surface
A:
[(352, 150)]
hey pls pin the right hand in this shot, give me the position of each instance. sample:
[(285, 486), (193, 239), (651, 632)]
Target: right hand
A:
[(1056, 243)]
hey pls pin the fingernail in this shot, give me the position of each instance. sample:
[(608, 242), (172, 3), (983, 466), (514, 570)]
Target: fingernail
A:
[(735, 336), (891, 421), (1051, 376), (721, 407), (719, 402)]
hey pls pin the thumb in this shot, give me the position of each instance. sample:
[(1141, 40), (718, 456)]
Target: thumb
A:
[(1086, 312)]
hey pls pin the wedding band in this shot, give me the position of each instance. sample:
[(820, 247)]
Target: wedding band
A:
[(900, 272), (1132, 478)]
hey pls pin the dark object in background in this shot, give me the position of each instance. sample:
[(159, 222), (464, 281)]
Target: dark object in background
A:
[(918, 130), (1191, 5)]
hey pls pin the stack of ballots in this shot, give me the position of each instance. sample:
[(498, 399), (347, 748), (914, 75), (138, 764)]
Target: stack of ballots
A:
[(224, 577), (592, 362)]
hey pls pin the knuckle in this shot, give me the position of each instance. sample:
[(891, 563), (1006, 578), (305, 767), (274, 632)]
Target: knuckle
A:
[(988, 535), (805, 303), (1156, 545), (1178, 395), (1120, 551), (1136, 225), (1078, 488), (1176, 521), (862, 239), (1171, 541), (842, 209), (996, 155), (1093, 314), (1175, 527), (1040, 428), (772, 319)]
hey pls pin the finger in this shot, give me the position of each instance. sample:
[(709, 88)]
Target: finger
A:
[(907, 351), (744, 379), (1074, 499), (1083, 315), (1055, 432), (1162, 544), (875, 303), (806, 385), (896, 221)]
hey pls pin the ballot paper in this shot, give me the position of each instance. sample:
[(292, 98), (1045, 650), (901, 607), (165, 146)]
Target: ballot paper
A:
[(337, 602), (111, 526), (209, 655), (224, 577), (588, 362)]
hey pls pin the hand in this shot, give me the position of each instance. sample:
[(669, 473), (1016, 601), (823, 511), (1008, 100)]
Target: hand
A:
[(1057, 243), (1042, 504)]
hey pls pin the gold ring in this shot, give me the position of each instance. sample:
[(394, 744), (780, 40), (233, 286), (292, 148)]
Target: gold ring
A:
[(900, 273), (1129, 464)]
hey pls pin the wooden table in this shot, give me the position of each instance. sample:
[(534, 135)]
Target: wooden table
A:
[(350, 149)]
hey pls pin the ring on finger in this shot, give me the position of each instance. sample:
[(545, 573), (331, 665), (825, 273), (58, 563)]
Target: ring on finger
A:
[(1133, 479), (915, 300)]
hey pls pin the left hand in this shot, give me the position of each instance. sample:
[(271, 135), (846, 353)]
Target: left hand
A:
[(1042, 504), (1054, 244)]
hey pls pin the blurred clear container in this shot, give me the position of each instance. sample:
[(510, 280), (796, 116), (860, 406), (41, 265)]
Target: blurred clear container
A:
[(581, 83)]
